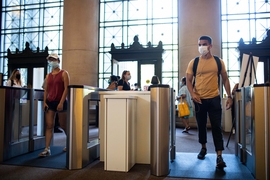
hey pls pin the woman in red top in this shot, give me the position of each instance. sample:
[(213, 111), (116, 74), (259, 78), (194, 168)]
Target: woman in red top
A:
[(55, 95)]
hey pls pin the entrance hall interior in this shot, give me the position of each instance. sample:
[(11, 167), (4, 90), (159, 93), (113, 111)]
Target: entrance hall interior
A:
[(83, 42)]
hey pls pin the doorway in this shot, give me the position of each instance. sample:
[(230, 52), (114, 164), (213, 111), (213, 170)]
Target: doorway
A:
[(146, 73), (141, 73), (142, 62), (33, 65)]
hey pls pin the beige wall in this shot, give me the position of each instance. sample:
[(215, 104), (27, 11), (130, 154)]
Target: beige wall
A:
[(197, 18), (80, 41)]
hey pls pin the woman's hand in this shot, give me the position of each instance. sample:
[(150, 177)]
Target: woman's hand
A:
[(120, 88), (60, 107), (45, 107)]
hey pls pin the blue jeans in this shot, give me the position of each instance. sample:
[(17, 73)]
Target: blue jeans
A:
[(212, 107)]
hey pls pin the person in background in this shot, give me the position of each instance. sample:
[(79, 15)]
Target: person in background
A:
[(136, 87), (15, 79), (184, 93), (154, 81), (123, 83), (55, 100), (206, 97), (113, 82), (14, 97)]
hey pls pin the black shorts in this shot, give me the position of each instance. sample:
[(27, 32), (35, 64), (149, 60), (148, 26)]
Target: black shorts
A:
[(53, 105)]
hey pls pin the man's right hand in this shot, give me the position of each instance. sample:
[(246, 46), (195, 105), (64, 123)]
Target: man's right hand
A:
[(196, 98)]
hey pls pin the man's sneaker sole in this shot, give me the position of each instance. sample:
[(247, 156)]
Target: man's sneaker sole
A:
[(199, 157), (221, 165)]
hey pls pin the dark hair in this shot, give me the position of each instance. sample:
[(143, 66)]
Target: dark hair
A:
[(13, 74), (208, 38), (113, 78), (155, 80), (184, 80)]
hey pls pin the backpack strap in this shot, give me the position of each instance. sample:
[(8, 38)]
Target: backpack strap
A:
[(12, 82), (219, 69), (195, 65), (218, 64)]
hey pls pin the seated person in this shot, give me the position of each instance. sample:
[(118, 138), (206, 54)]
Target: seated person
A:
[(136, 87), (113, 81), (154, 81), (123, 83)]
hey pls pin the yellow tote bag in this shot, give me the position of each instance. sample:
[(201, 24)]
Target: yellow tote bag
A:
[(183, 109)]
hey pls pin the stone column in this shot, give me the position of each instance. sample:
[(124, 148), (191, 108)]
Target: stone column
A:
[(197, 18), (80, 41)]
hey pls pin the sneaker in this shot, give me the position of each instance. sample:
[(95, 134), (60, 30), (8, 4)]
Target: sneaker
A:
[(57, 130), (220, 163), (186, 130), (46, 152), (202, 153)]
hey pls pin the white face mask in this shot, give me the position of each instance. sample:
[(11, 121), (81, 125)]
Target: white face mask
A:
[(54, 64), (128, 77), (181, 84), (203, 50)]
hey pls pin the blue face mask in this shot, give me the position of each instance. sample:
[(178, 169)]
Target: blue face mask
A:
[(54, 64)]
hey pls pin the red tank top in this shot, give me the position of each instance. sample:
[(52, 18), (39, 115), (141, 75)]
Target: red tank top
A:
[(55, 86)]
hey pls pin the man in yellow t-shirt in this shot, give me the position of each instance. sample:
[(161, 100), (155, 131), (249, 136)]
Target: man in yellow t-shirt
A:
[(206, 98)]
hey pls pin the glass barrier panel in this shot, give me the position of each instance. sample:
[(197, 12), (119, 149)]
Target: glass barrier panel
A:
[(248, 118)]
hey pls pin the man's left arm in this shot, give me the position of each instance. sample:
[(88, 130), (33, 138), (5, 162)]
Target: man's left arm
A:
[(227, 87)]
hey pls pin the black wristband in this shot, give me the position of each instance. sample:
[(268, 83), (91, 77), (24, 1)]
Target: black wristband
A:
[(229, 97)]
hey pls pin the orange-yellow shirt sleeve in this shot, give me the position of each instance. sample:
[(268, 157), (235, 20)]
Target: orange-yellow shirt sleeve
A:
[(223, 68), (190, 67)]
